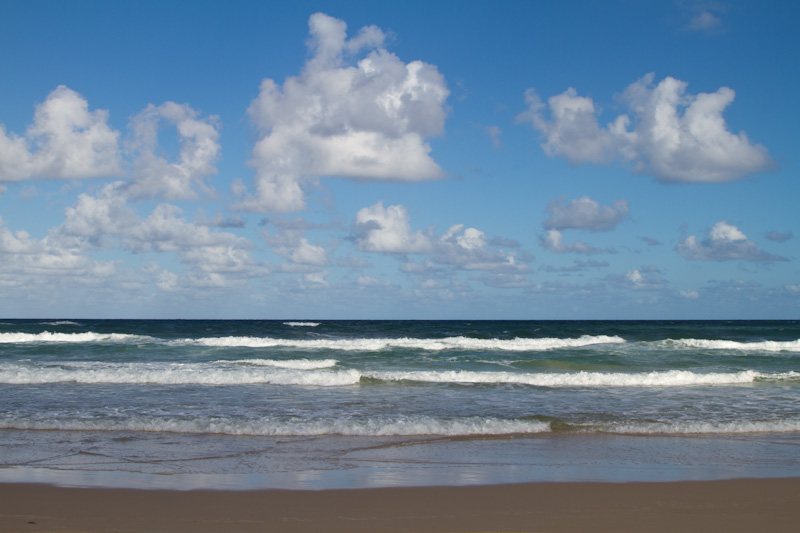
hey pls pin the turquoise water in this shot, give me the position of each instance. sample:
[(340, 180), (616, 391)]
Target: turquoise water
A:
[(263, 401)]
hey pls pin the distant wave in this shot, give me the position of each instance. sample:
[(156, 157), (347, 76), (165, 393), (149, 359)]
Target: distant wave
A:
[(60, 323), (449, 343), (302, 324), (670, 378), (299, 364), (47, 336), (762, 346)]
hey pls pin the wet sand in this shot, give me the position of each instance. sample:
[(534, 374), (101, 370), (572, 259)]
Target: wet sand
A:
[(731, 505)]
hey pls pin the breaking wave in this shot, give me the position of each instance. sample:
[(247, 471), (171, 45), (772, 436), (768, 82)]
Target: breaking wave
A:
[(449, 343), (763, 346)]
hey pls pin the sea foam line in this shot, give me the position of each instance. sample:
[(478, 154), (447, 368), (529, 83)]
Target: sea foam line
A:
[(385, 426), (670, 378), (88, 337), (298, 364), (173, 374), (379, 344), (762, 346), (700, 427), (320, 373)]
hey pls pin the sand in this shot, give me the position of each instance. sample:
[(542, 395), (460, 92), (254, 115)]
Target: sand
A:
[(734, 505)]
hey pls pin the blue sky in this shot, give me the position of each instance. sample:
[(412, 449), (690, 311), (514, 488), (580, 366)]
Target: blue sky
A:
[(531, 160)]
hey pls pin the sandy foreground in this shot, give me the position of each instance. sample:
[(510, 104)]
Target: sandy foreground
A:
[(734, 505)]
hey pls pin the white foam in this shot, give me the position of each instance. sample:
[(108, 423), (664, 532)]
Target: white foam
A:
[(763, 346), (703, 427), (299, 364), (301, 324), (670, 378), (390, 426), (380, 344), (173, 374), (387, 426), (47, 336)]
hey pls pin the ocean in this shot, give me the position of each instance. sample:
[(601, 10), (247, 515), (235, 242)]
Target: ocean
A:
[(354, 403)]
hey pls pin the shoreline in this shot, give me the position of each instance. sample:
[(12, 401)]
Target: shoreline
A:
[(771, 504)]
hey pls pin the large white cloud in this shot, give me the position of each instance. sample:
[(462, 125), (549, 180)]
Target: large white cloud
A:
[(670, 134), (154, 176), (65, 141), (725, 242), (365, 120)]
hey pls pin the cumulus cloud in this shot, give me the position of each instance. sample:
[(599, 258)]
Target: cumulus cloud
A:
[(388, 230), (154, 176), (36, 265), (216, 258), (363, 119), (644, 278), (668, 133), (725, 242), (553, 240), (65, 141), (290, 242), (585, 213)]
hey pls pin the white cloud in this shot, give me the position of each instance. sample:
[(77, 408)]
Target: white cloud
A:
[(70, 142), (585, 213), (553, 240), (725, 242), (365, 120), (644, 278), (388, 230), (214, 257), (672, 135), (574, 132), (26, 262), (690, 295), (65, 141), (154, 176)]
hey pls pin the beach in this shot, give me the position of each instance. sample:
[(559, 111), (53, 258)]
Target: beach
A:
[(728, 505)]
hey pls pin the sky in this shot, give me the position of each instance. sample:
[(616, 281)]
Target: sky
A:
[(418, 160)]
